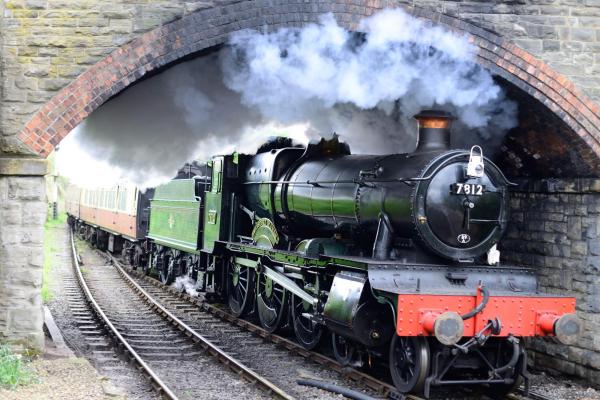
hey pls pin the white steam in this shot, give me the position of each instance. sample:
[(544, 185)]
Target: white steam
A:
[(301, 82), (327, 75), (151, 129), (185, 284)]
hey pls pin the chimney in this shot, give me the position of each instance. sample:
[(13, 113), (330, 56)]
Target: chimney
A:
[(434, 130)]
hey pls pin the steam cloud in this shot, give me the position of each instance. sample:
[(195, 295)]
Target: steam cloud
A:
[(364, 87), (335, 79), (185, 284), (153, 128)]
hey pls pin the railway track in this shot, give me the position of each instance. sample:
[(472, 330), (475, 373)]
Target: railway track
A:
[(177, 360), (178, 299), (208, 329), (211, 316)]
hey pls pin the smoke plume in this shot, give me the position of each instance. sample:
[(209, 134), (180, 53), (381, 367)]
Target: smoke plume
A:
[(151, 129), (322, 78), (335, 79)]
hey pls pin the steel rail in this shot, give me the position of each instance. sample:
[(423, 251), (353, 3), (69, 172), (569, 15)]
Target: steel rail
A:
[(206, 344), (382, 388), (158, 384)]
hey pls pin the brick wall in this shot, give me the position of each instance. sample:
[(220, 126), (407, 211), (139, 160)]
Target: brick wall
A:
[(563, 33), (555, 228)]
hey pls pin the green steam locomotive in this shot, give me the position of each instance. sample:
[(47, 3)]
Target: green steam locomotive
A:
[(391, 257)]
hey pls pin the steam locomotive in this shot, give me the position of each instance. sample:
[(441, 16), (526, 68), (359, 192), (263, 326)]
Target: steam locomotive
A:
[(393, 257)]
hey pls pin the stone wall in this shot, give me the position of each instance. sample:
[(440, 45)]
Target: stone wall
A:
[(44, 45), (22, 217), (47, 43), (555, 228)]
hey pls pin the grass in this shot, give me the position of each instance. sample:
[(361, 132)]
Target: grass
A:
[(50, 248), (13, 371)]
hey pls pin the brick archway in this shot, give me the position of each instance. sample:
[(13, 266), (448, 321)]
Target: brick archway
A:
[(210, 27)]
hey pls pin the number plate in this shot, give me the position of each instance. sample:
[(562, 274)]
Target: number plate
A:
[(471, 189)]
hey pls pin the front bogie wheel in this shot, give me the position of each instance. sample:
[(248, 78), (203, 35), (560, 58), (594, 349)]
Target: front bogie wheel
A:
[(409, 363), (345, 351)]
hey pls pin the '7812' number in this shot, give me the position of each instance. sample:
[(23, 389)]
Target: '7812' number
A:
[(472, 189)]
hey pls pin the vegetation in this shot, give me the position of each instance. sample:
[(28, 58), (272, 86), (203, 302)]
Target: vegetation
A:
[(51, 246), (13, 371)]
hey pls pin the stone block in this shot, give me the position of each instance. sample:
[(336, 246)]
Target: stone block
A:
[(11, 213), (579, 248), (27, 84), (28, 277), (118, 26), (593, 264), (541, 31), (53, 84), (36, 4), (559, 227), (583, 34), (594, 246), (93, 22), (551, 45), (574, 228), (34, 215), (27, 188), (25, 319)]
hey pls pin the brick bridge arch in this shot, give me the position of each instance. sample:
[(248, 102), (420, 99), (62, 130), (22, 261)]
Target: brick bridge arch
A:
[(559, 131)]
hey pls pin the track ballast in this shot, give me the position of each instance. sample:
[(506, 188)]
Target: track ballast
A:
[(179, 363)]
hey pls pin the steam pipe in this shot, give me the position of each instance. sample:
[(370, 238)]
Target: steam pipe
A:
[(330, 387), (481, 306), (383, 238), (513, 360)]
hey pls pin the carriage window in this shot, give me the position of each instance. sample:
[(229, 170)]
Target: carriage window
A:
[(122, 199), (111, 199)]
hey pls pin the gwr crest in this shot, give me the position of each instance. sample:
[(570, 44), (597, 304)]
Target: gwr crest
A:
[(463, 238)]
